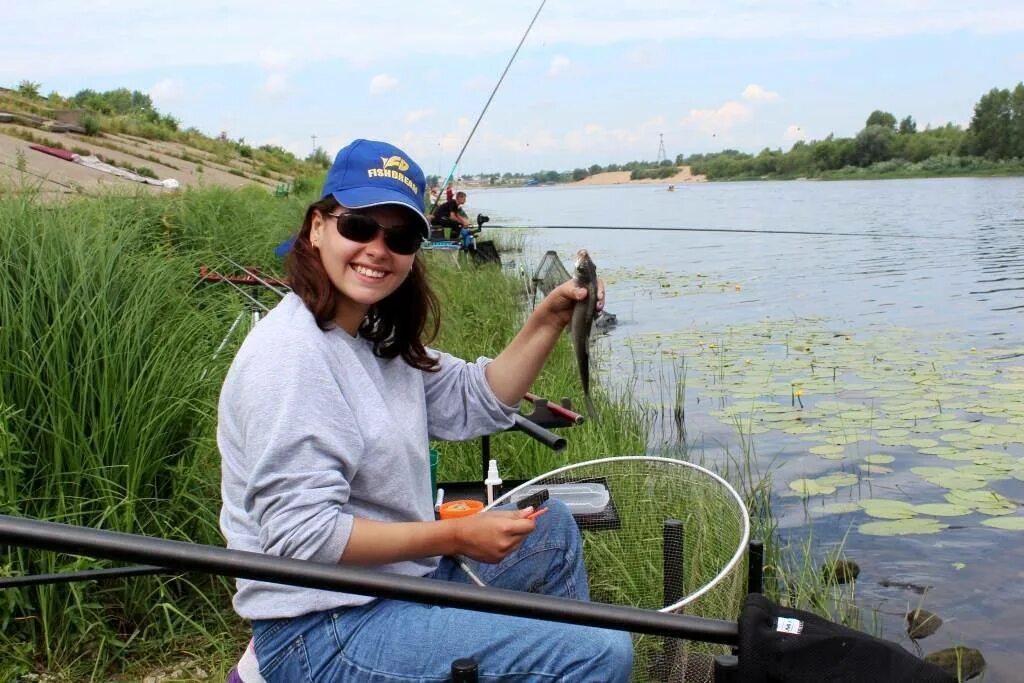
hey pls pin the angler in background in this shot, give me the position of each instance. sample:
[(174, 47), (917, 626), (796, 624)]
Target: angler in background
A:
[(324, 426), (449, 215)]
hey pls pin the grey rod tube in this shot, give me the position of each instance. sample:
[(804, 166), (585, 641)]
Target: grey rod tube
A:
[(178, 555)]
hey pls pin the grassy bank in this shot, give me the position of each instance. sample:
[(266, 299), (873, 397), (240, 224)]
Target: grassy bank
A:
[(108, 387)]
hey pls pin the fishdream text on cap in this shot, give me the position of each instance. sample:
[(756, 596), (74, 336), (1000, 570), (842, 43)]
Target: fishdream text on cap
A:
[(369, 173)]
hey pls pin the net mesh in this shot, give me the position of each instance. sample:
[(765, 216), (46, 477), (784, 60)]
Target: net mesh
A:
[(659, 534), (549, 274)]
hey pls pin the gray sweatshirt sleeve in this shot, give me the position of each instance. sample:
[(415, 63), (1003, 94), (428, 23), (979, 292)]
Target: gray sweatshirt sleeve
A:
[(299, 481), (460, 402)]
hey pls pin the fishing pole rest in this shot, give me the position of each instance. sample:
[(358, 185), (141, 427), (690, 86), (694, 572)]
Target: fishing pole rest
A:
[(542, 416)]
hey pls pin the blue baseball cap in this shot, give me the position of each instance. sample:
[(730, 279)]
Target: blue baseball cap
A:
[(370, 173)]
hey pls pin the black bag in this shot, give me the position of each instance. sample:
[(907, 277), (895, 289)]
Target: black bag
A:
[(783, 644), (486, 253)]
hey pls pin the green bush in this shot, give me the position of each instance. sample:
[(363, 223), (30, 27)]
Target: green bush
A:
[(91, 124)]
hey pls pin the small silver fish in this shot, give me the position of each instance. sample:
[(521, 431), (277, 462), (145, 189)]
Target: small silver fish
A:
[(584, 275)]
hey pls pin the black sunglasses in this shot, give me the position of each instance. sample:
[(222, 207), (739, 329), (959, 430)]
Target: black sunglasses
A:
[(401, 239)]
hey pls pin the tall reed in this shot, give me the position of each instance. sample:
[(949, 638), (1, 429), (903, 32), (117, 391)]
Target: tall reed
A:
[(108, 389)]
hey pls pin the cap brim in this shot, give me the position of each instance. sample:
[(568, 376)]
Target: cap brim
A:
[(365, 197)]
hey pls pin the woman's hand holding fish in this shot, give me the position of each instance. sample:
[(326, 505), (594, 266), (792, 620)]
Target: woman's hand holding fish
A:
[(511, 374), (558, 305)]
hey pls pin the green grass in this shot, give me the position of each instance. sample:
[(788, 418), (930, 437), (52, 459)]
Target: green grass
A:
[(108, 391)]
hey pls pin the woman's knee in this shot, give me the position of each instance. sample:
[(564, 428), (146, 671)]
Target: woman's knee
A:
[(558, 520), (612, 657)]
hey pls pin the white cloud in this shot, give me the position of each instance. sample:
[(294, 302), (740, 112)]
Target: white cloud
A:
[(275, 84), (202, 33), (167, 92), (417, 115), (720, 120), (794, 133), (560, 66), (273, 60), (646, 56), (756, 93), (382, 83)]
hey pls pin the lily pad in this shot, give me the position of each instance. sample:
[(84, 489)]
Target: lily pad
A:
[(838, 479), (949, 478), (810, 487), (1008, 523), (942, 509), (985, 502), (828, 451), (888, 509), (902, 527), (838, 508)]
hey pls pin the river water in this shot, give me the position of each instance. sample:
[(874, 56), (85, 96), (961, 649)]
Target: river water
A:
[(890, 344)]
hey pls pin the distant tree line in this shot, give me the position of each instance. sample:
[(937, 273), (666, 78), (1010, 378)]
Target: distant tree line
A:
[(993, 142)]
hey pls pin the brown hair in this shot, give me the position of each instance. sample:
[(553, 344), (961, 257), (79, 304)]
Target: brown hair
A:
[(401, 324)]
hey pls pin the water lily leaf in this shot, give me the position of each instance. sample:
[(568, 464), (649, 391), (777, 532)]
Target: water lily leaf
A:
[(810, 487), (1007, 523), (838, 508), (893, 433), (942, 509), (985, 502), (874, 469), (838, 479), (902, 527), (879, 459), (955, 437), (948, 478), (888, 509), (942, 451), (983, 471)]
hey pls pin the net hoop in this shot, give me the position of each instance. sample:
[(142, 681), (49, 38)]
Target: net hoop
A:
[(744, 536)]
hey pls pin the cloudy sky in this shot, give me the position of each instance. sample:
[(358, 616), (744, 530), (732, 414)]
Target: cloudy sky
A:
[(595, 82)]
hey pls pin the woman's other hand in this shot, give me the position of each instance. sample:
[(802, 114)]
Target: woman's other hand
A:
[(490, 536)]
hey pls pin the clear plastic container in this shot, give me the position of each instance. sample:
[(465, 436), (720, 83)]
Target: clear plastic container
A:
[(586, 498)]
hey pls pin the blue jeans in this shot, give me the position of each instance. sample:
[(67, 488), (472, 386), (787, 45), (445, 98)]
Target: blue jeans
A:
[(392, 640)]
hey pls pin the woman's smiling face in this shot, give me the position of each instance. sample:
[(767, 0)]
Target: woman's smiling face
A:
[(363, 273)]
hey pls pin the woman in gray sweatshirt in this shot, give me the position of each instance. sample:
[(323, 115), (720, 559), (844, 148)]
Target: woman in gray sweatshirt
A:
[(324, 424)]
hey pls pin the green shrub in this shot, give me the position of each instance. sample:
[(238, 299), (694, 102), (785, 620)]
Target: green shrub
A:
[(91, 124)]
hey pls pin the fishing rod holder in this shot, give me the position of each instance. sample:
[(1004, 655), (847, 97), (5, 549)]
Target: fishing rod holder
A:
[(542, 416)]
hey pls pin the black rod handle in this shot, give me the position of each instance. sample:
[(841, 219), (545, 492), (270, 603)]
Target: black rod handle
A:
[(549, 439), (755, 567), (465, 671)]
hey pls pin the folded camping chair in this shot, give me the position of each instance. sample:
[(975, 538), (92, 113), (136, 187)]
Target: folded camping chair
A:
[(783, 644)]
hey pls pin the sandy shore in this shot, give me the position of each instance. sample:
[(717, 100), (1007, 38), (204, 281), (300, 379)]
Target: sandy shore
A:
[(622, 178)]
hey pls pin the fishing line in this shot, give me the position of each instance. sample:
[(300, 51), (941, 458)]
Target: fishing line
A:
[(736, 230), (254, 275), (484, 111), (241, 290)]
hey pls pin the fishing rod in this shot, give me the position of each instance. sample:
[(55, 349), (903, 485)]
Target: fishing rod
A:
[(451, 173), (736, 230)]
